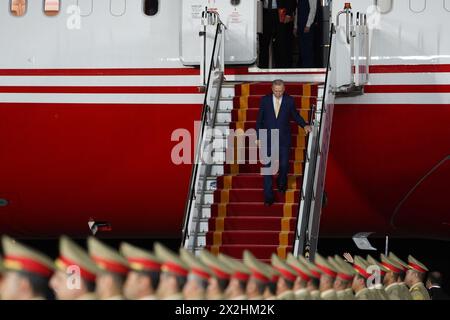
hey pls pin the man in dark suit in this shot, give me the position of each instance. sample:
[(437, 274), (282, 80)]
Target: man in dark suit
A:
[(275, 113), (434, 282), (306, 31), (278, 25)]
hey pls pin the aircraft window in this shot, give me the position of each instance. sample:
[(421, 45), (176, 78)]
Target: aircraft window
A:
[(417, 6), (150, 7), (18, 7), (51, 7), (118, 7), (86, 7)]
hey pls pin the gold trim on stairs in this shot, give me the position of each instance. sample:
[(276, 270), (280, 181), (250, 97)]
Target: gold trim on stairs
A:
[(307, 90), (243, 102), (285, 223), (292, 182), (289, 196), (281, 252), (287, 210), (245, 89), (283, 238), (220, 224), (299, 154), (227, 182), (225, 196), (215, 250), (217, 238), (222, 210), (305, 104)]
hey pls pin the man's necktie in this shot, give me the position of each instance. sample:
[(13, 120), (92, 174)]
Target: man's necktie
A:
[(277, 106), (269, 6)]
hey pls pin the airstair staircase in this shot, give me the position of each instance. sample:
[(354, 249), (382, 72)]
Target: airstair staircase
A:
[(225, 211)]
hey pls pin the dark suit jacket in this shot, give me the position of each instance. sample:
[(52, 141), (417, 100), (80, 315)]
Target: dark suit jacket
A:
[(438, 294), (268, 120)]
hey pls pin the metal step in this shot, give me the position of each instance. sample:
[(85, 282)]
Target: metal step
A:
[(206, 210), (225, 104), (227, 91)]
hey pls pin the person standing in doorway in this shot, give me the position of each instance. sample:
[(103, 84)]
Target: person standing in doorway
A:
[(278, 19), (306, 15)]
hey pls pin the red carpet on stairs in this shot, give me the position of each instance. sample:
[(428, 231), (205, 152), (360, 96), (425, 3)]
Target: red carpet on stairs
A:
[(239, 220)]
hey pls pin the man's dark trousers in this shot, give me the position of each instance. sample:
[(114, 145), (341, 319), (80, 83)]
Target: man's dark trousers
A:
[(282, 173)]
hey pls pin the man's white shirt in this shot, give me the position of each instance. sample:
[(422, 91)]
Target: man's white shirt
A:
[(275, 104)]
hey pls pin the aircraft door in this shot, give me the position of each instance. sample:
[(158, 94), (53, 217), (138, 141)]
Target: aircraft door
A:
[(240, 18)]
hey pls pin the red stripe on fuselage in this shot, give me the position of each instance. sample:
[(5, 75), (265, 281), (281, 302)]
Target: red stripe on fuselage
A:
[(102, 72), (101, 89), (420, 68), (408, 88), (409, 68)]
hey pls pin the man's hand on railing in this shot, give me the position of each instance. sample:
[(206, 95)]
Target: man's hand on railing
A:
[(308, 129)]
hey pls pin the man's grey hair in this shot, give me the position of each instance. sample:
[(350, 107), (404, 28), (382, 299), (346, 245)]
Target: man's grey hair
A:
[(277, 82)]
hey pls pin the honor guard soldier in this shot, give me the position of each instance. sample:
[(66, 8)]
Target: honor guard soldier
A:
[(271, 289), (392, 280), (360, 279), (401, 279), (220, 276), (343, 279), (259, 278), (303, 276), (113, 270), (143, 276), (174, 274), (349, 267), (378, 287), (287, 278), (76, 273), (314, 282), (237, 287), (415, 278), (197, 279), (327, 277), (26, 272)]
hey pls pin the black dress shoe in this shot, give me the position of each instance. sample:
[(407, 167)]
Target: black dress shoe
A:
[(268, 203), (282, 189)]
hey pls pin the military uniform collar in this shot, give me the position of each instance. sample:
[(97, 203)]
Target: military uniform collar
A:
[(349, 290), (360, 292), (392, 285), (285, 294), (416, 285), (300, 291), (326, 293)]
